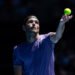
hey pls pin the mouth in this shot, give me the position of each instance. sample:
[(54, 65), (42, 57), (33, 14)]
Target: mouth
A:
[(33, 28)]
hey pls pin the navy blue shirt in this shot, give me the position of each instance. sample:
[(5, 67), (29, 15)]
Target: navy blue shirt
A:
[(36, 58)]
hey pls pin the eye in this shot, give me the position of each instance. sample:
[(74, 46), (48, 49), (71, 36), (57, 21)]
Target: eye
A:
[(30, 21), (36, 22)]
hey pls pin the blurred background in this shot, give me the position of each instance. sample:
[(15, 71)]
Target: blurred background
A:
[(49, 12)]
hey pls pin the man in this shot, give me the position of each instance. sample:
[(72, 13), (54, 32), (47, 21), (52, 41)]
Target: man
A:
[(36, 55)]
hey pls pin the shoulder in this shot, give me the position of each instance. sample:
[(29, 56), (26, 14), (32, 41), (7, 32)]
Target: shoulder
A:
[(53, 37), (15, 47), (19, 46), (52, 33), (49, 34)]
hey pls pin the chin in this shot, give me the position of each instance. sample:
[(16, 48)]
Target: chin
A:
[(34, 31)]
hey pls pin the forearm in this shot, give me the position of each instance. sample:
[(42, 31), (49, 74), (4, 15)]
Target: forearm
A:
[(60, 30)]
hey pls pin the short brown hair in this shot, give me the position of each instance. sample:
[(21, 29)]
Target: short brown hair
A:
[(31, 16)]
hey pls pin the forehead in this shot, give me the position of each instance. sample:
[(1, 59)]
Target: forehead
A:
[(32, 19)]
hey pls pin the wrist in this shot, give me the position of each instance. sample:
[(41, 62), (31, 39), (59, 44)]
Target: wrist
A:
[(61, 24)]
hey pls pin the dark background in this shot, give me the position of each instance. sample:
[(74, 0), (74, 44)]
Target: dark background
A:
[(49, 12)]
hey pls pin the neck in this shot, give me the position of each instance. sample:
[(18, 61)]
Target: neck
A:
[(31, 37)]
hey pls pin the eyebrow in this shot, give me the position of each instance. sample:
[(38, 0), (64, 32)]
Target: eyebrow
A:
[(33, 20)]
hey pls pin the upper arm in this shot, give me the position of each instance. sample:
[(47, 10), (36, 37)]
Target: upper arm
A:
[(53, 37), (17, 62), (17, 70)]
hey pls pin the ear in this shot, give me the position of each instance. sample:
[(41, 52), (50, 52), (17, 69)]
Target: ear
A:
[(23, 27)]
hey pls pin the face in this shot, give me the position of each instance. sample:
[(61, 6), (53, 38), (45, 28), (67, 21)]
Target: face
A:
[(32, 25)]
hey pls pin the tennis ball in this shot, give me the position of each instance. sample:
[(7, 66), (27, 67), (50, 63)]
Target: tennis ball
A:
[(67, 11)]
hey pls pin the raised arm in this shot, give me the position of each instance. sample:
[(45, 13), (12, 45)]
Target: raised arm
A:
[(55, 37)]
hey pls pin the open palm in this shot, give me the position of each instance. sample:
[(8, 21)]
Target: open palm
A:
[(65, 18)]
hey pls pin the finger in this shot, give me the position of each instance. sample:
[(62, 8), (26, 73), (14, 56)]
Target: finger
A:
[(61, 19), (66, 18), (63, 16), (70, 16)]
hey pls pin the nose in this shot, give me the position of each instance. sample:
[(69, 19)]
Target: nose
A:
[(33, 23)]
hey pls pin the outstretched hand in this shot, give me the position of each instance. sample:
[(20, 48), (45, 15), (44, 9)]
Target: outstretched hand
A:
[(65, 18)]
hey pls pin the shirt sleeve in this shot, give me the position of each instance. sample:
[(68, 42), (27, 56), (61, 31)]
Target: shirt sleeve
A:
[(50, 33), (47, 36), (16, 58)]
